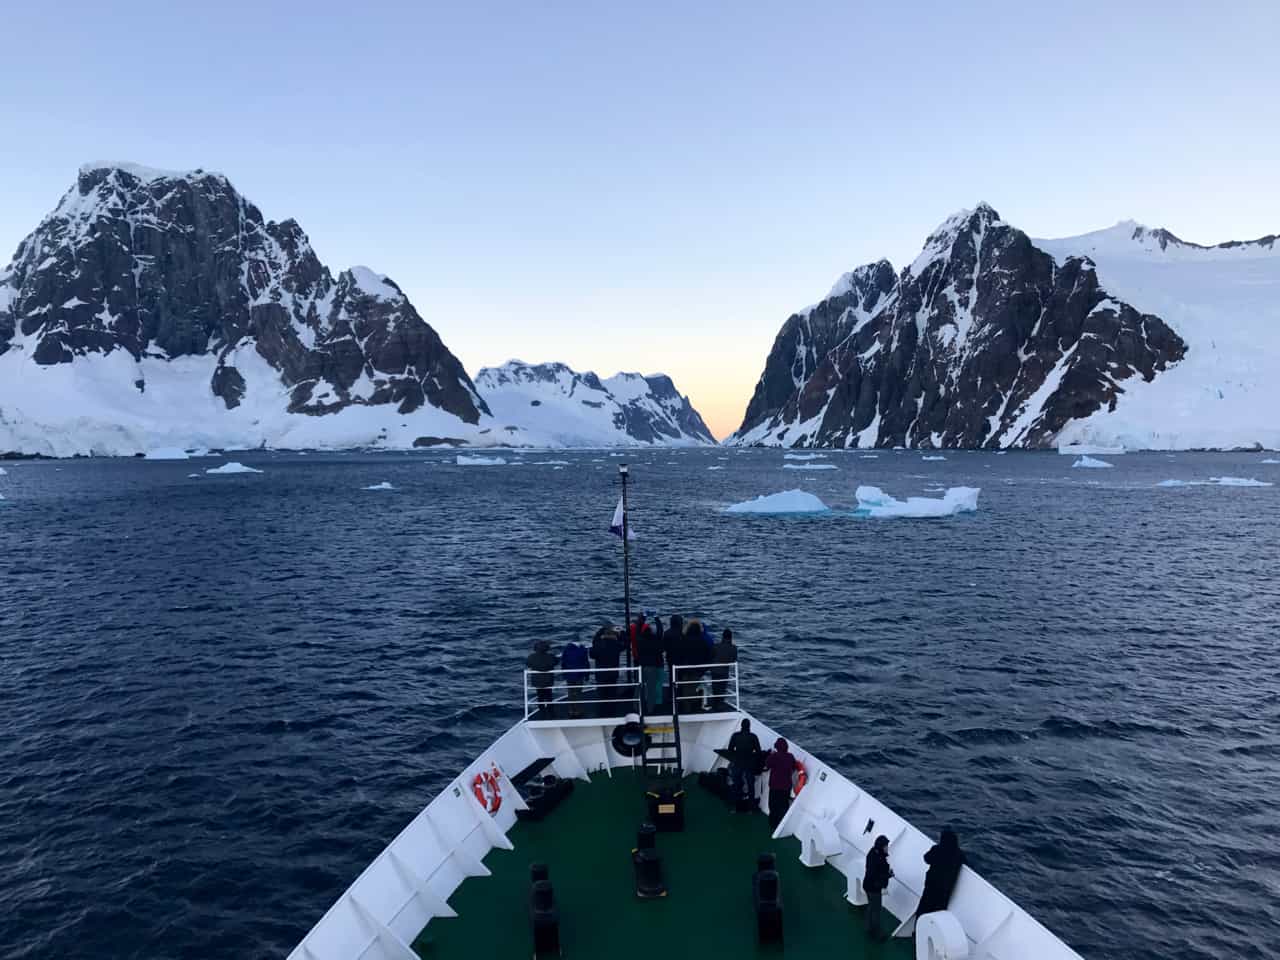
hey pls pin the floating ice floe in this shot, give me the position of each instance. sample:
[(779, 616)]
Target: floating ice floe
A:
[(1267, 460), (788, 501), (715, 468), (1217, 482), (380, 486), (232, 466), (1001, 453), (809, 466), (464, 461), (804, 456), (166, 453), (3, 472), (190, 475), (1091, 462), (874, 502), (938, 457), (550, 463)]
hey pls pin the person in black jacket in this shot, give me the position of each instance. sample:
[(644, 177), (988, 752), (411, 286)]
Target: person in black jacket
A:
[(606, 651), (723, 652), (875, 879), (945, 859), (744, 753), (544, 662), (652, 672)]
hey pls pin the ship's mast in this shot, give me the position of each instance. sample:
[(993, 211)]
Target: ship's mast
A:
[(624, 473)]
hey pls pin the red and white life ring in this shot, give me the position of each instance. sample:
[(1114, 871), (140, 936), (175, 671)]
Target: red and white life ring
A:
[(488, 789), (801, 777)]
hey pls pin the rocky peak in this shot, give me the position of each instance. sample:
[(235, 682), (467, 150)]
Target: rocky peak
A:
[(170, 264)]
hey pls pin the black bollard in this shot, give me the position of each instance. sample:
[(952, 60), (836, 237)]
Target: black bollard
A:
[(647, 837), (766, 897), (544, 918)]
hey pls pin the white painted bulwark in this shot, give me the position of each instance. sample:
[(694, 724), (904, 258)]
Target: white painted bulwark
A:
[(410, 882)]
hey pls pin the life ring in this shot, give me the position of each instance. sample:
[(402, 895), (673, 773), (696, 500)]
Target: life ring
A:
[(801, 777), (488, 789)]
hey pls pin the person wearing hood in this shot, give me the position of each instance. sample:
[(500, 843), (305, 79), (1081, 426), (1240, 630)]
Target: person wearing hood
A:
[(743, 750), (726, 653), (543, 661), (781, 765), (945, 859), (576, 667), (606, 651), (652, 671), (875, 879)]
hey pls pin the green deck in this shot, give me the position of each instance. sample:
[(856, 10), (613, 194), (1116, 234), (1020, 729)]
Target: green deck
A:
[(587, 844)]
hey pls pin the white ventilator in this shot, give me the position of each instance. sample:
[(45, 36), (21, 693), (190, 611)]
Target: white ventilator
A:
[(939, 936)]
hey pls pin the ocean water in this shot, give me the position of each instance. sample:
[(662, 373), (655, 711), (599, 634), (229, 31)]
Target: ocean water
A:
[(222, 695)]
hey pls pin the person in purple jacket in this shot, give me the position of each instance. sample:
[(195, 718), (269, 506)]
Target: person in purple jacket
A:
[(781, 765)]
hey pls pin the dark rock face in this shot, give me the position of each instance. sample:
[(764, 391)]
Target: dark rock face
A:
[(172, 265), (984, 341)]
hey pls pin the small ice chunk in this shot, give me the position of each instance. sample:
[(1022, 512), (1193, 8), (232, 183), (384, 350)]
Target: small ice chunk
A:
[(1271, 460), (550, 463), (190, 475), (232, 467), (1087, 461), (464, 461), (166, 453), (871, 456), (874, 502), (788, 501), (380, 486), (715, 468), (809, 466), (804, 456), (938, 457), (3, 472)]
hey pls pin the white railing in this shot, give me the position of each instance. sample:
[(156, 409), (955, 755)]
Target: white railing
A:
[(588, 694), (581, 694), (706, 687)]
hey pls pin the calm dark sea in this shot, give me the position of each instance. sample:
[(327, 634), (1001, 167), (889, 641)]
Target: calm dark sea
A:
[(220, 696)]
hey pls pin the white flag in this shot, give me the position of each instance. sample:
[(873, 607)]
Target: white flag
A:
[(616, 526)]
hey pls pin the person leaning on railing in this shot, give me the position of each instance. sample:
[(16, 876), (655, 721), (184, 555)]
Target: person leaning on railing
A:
[(543, 661), (606, 651), (723, 652)]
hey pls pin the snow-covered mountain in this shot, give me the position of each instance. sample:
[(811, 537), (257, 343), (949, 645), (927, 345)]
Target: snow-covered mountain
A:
[(1224, 302), (570, 409), (159, 309), (1124, 337)]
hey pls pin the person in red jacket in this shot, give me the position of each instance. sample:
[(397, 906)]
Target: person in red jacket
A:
[(781, 765)]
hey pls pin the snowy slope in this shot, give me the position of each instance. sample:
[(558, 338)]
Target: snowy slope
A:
[(557, 406), (1224, 301)]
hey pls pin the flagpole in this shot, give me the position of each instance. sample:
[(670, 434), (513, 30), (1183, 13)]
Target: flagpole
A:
[(624, 473)]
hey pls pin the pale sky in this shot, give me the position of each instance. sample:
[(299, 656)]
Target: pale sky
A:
[(653, 186)]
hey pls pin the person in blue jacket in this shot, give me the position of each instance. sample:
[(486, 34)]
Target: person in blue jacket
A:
[(575, 659)]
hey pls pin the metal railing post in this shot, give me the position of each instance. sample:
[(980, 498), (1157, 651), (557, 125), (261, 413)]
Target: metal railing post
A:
[(526, 694)]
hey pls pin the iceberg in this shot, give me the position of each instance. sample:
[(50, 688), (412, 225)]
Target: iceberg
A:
[(938, 457), (809, 466), (232, 466), (788, 501), (166, 453), (804, 456), (380, 486), (874, 502), (3, 472), (464, 461), (1087, 461)]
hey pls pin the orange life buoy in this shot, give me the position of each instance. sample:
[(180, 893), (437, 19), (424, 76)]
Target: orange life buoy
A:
[(488, 789), (801, 777)]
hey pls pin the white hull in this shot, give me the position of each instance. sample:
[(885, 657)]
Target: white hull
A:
[(410, 882)]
